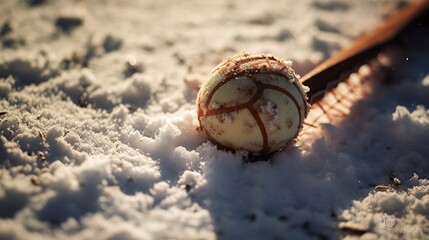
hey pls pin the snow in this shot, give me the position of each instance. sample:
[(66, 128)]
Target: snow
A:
[(98, 126), (226, 117), (269, 108)]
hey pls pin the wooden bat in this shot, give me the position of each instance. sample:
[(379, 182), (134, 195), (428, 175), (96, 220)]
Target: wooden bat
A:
[(332, 71)]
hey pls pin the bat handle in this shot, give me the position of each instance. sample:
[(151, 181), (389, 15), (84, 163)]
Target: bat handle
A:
[(335, 69)]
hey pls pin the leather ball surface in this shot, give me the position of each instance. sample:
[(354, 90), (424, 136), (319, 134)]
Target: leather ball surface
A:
[(252, 102)]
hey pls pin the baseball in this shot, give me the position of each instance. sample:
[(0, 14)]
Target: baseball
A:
[(252, 102)]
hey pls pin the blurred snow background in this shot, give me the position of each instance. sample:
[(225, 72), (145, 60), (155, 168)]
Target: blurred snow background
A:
[(98, 127)]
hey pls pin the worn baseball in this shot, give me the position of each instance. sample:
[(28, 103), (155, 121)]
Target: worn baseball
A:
[(252, 102)]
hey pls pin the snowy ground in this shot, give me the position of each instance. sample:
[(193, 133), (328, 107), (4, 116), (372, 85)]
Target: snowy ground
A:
[(98, 127)]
